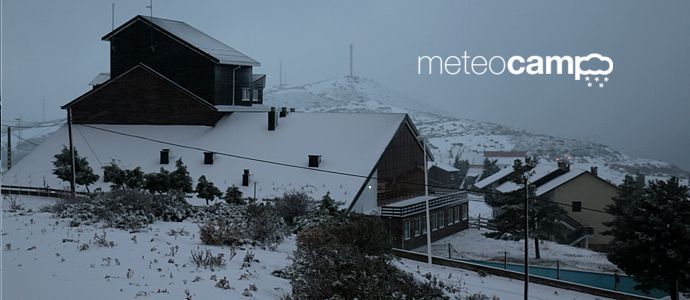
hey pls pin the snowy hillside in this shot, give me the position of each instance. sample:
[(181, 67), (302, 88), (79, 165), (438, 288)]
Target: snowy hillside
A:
[(451, 136)]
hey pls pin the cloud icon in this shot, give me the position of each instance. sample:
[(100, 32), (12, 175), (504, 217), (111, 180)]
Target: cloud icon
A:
[(580, 59)]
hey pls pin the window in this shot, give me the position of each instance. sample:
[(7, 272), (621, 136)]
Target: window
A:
[(433, 222), (440, 219), (423, 224), (451, 215), (576, 206), (246, 94), (255, 95), (417, 226), (464, 212), (406, 229), (456, 215)]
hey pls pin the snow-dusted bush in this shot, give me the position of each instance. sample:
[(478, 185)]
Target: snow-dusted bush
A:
[(293, 205), (239, 224), (349, 257), (126, 209)]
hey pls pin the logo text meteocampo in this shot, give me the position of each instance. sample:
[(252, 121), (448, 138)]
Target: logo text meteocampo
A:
[(594, 68)]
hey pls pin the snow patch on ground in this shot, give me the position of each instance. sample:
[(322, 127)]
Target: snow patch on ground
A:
[(44, 261), (470, 282)]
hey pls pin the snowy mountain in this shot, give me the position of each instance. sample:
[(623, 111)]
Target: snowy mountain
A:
[(451, 136)]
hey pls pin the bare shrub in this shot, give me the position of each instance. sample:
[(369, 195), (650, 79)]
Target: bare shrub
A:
[(206, 259)]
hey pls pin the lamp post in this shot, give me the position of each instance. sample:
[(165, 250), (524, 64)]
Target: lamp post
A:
[(426, 202)]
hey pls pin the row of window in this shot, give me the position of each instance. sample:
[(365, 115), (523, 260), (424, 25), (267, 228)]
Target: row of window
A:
[(438, 219)]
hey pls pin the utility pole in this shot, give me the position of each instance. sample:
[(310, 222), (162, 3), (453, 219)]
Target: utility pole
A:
[(9, 147), (43, 109), (72, 182), (426, 202), (350, 60)]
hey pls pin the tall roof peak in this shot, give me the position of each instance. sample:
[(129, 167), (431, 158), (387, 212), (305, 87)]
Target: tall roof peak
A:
[(193, 38)]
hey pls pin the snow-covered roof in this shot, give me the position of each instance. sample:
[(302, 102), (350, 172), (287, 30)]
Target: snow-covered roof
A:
[(445, 167), (537, 173), (197, 39), (494, 177), (558, 181), (411, 201), (99, 79), (241, 108), (349, 143)]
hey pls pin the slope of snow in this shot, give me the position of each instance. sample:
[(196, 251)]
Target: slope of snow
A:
[(472, 244), (44, 262)]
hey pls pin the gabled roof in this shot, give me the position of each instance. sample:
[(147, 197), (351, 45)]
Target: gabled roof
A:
[(148, 69), (193, 38), (494, 177), (348, 142), (537, 173), (565, 178)]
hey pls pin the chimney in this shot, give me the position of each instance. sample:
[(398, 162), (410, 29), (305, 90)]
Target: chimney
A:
[(272, 119), (283, 112), (564, 165), (208, 158), (165, 156), (594, 170), (314, 160), (292, 109), (245, 177)]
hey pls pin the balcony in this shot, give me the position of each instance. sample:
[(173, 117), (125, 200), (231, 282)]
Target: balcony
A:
[(417, 205)]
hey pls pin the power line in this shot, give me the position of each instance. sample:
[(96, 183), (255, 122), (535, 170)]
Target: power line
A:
[(90, 148), (308, 168)]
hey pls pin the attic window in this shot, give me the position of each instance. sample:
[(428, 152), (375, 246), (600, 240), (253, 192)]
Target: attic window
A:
[(165, 156), (314, 161), (246, 94), (208, 158)]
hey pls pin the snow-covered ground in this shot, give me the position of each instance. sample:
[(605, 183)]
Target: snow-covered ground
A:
[(41, 259), (469, 282), (472, 244)]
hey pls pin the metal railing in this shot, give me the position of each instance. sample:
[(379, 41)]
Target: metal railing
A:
[(444, 200)]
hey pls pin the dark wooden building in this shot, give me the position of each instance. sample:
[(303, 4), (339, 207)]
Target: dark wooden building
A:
[(158, 64), (444, 178), (406, 220)]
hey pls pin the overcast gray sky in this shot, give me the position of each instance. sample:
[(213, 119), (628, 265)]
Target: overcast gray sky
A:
[(52, 49)]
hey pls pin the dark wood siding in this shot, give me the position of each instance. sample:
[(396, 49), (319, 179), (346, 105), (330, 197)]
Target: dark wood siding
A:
[(141, 97), (401, 168), (141, 43), (223, 84), (395, 228)]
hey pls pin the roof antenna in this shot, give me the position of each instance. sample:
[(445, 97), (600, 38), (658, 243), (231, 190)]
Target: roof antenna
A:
[(350, 60), (150, 7), (112, 17)]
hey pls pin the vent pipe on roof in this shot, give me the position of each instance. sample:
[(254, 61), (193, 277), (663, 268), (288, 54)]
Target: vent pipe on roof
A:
[(272, 119), (165, 156), (283, 112), (292, 109), (245, 177), (594, 171), (314, 160)]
